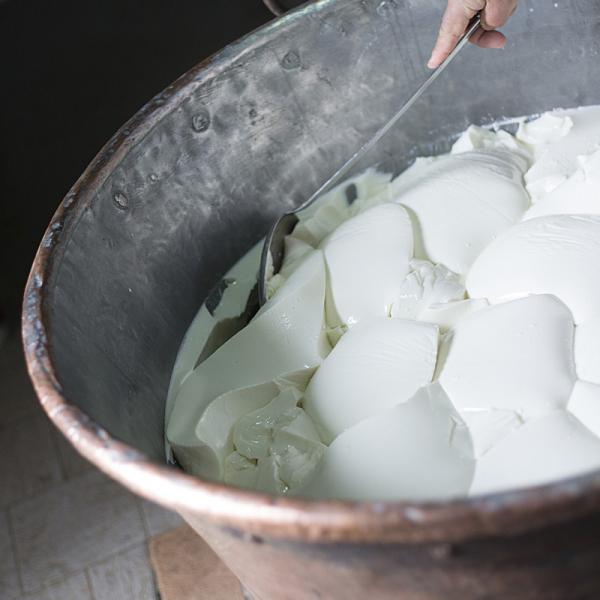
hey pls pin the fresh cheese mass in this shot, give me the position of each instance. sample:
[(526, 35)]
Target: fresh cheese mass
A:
[(430, 336)]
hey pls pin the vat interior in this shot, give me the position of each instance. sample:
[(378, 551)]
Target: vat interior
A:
[(251, 136)]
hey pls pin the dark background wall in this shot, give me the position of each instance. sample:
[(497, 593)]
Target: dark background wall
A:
[(71, 73)]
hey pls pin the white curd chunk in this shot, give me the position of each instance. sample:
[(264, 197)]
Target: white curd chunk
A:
[(434, 294), (556, 255), (211, 439), (460, 203), (516, 356), (556, 139), (587, 350), (447, 315), (577, 194), (417, 450), (425, 285), (545, 450), (379, 363), (585, 405), (285, 336), (548, 129), (487, 426), (480, 138), (240, 471), (545, 137), (367, 257), (282, 441)]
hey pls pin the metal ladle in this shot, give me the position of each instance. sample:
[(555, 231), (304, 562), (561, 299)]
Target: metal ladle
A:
[(274, 245)]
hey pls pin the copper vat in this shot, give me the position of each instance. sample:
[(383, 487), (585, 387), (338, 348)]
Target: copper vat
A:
[(146, 232)]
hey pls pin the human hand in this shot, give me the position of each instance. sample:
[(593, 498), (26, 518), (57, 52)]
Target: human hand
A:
[(495, 13)]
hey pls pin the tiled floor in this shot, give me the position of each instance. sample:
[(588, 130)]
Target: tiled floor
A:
[(67, 532)]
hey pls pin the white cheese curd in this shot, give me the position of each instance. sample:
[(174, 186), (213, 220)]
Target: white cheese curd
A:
[(557, 254), (587, 350), (427, 337), (584, 403), (556, 140), (446, 315), (487, 426), (427, 284), (212, 438), (577, 194), (379, 363), (417, 450), (543, 131), (480, 138), (459, 203), (516, 356), (367, 257), (539, 452), (544, 136), (286, 335), (283, 442)]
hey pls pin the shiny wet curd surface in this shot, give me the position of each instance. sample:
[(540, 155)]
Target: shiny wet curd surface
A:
[(430, 336)]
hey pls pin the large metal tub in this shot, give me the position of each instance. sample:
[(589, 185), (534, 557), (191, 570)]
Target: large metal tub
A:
[(190, 184)]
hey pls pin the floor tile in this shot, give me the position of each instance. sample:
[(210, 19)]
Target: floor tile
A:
[(17, 398), (73, 588), (72, 463), (60, 532), (33, 464), (159, 519), (127, 575), (9, 581)]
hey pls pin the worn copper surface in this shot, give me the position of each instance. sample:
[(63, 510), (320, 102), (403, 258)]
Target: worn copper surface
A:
[(555, 563), (255, 533)]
